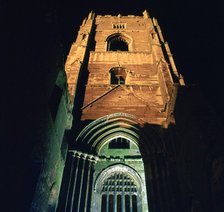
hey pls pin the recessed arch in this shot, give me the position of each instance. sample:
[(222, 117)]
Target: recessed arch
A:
[(94, 135), (118, 42), (118, 134), (94, 156)]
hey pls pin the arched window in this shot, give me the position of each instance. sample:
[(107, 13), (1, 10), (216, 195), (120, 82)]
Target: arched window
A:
[(119, 143), (118, 75), (117, 42), (119, 190)]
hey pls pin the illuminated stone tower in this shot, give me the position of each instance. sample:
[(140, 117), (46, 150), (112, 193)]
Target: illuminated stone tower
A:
[(123, 84)]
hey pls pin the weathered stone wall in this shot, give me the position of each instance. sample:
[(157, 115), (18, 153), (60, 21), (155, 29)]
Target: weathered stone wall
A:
[(52, 154), (148, 90), (136, 29)]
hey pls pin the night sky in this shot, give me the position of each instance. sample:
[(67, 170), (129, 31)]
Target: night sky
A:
[(194, 30)]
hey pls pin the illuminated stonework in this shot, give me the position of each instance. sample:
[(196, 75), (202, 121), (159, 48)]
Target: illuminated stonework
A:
[(124, 186), (123, 84)]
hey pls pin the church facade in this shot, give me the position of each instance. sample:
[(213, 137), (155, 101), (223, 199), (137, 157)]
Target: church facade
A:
[(122, 83)]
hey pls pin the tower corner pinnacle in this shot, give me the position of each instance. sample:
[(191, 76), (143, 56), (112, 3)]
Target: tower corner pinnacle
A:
[(145, 14), (91, 15)]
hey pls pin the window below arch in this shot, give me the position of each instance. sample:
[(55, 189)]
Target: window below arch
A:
[(119, 143), (120, 188), (119, 192)]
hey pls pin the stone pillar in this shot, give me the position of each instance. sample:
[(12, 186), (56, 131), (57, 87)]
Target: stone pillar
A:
[(122, 196), (77, 155), (131, 206), (69, 183), (115, 193), (91, 161), (83, 156)]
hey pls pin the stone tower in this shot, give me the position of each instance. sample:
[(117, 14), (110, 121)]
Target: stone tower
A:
[(123, 85)]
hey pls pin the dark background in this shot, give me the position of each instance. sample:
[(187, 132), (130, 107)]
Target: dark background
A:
[(194, 30), (33, 31)]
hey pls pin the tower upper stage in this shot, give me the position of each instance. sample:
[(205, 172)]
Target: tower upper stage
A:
[(126, 66)]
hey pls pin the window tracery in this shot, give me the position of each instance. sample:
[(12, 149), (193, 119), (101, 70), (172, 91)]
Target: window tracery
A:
[(119, 190)]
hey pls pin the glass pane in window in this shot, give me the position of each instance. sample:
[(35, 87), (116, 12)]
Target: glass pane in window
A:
[(119, 203), (127, 203), (104, 203), (111, 203), (134, 203)]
